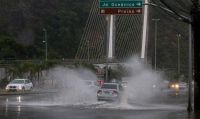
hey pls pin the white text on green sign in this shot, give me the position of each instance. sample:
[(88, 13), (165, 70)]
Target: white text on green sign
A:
[(120, 4)]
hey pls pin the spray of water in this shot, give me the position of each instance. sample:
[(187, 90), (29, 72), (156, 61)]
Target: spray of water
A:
[(72, 87), (143, 83)]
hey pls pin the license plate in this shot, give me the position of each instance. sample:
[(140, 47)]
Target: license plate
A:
[(107, 92)]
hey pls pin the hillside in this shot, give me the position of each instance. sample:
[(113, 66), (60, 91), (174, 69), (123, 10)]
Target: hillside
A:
[(24, 21)]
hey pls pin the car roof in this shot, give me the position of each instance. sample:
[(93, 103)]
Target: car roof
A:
[(111, 83), (21, 79)]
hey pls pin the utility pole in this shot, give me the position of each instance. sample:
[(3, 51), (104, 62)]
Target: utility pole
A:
[(46, 46), (88, 50), (189, 108), (156, 38), (195, 15), (178, 53)]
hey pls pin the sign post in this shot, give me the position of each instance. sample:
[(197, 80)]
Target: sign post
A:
[(116, 7)]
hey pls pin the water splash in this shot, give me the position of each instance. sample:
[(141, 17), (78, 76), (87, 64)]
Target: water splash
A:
[(143, 84), (72, 87)]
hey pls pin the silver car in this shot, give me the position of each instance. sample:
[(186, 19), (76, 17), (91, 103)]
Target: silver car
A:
[(109, 92)]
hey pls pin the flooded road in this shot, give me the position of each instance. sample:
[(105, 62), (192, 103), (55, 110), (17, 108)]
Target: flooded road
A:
[(38, 106)]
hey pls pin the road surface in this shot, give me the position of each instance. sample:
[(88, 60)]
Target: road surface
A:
[(43, 106)]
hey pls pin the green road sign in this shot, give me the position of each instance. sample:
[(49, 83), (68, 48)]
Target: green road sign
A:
[(120, 4)]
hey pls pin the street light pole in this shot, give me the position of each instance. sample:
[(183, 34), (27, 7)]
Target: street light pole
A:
[(189, 108), (178, 60), (46, 46), (88, 50), (155, 47)]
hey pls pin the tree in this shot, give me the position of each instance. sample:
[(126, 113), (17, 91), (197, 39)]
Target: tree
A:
[(7, 45)]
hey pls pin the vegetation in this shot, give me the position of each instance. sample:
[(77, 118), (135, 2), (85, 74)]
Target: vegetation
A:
[(29, 69), (23, 21)]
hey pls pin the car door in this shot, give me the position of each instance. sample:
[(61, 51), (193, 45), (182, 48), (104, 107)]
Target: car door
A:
[(29, 84), (25, 85)]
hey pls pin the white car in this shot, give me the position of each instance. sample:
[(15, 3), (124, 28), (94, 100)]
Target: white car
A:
[(19, 85)]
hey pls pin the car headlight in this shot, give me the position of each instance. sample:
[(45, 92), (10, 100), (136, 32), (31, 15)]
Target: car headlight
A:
[(20, 87), (99, 92), (7, 87), (172, 86), (176, 86)]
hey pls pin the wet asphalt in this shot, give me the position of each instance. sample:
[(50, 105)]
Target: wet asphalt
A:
[(41, 106)]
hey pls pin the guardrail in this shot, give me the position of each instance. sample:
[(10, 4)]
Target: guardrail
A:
[(4, 63)]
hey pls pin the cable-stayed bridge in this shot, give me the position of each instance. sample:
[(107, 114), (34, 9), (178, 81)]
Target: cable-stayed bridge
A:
[(127, 37), (94, 42)]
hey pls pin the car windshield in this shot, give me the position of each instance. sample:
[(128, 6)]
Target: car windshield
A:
[(17, 82), (109, 86)]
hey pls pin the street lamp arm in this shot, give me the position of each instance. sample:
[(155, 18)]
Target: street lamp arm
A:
[(184, 18), (180, 17), (161, 7), (183, 5)]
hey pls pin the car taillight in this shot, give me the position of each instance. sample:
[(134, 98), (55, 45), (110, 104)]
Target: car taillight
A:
[(115, 93), (99, 91)]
